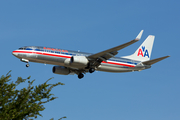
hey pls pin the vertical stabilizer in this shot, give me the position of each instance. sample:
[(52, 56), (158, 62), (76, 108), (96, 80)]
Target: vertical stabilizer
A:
[(143, 53)]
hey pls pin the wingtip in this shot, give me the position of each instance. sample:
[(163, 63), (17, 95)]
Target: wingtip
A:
[(139, 35), (167, 56)]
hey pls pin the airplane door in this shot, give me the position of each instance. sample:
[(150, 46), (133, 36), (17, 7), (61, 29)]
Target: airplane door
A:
[(35, 52)]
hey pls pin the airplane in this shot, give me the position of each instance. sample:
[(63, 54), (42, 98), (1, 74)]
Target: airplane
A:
[(74, 62)]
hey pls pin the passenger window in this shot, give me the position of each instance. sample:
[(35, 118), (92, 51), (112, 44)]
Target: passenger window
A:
[(37, 49)]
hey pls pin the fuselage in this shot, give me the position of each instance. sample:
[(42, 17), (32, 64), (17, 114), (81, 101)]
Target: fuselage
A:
[(57, 57)]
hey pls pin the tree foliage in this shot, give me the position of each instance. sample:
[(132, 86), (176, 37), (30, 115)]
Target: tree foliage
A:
[(24, 103)]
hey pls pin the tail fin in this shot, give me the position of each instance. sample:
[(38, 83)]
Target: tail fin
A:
[(143, 53)]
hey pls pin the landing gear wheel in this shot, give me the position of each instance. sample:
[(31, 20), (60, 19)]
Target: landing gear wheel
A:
[(91, 70), (80, 76), (27, 65)]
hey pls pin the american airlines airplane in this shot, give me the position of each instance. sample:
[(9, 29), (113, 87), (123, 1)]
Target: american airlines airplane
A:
[(75, 62)]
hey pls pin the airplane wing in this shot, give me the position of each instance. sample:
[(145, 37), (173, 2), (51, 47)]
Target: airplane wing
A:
[(105, 55), (150, 62)]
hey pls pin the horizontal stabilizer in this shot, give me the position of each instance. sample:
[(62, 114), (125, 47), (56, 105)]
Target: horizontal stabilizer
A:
[(150, 62)]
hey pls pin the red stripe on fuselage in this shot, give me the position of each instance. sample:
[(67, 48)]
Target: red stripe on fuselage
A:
[(40, 53), (55, 55), (22, 52)]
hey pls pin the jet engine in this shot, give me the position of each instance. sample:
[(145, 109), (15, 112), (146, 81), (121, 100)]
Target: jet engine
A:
[(61, 70), (77, 61)]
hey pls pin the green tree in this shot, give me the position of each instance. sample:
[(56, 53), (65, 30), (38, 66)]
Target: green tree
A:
[(24, 103)]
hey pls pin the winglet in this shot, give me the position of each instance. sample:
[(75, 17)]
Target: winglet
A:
[(139, 35)]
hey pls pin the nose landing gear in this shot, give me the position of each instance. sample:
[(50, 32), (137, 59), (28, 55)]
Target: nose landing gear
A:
[(27, 65), (26, 61)]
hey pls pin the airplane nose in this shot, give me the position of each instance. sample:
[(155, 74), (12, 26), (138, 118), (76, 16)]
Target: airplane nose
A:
[(15, 54)]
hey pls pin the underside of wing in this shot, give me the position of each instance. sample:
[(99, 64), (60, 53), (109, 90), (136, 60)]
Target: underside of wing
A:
[(105, 55), (96, 59), (111, 52)]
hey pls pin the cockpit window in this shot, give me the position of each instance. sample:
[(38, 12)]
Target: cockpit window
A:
[(21, 48)]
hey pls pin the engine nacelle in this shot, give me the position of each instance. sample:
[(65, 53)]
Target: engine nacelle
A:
[(61, 70), (77, 61)]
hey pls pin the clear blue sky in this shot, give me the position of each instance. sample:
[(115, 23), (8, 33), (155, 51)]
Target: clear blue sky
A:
[(93, 26)]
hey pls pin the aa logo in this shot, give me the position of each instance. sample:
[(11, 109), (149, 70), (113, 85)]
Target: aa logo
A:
[(143, 52)]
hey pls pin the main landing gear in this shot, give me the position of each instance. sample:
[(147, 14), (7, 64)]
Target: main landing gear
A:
[(80, 75), (91, 70)]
